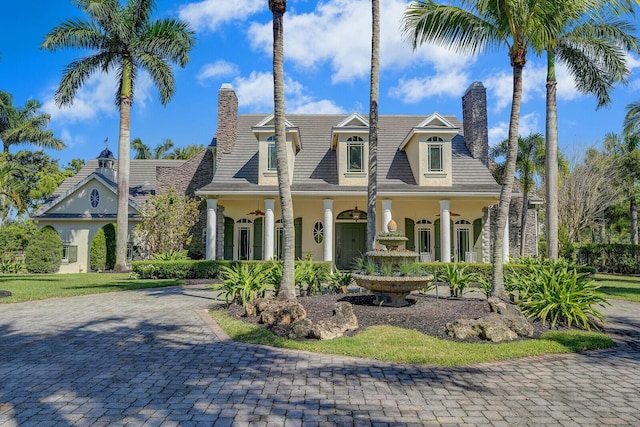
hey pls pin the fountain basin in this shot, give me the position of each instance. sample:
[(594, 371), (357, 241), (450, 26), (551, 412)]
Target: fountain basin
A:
[(390, 290)]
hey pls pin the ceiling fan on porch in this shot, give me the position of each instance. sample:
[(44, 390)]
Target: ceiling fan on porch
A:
[(257, 212), (451, 214)]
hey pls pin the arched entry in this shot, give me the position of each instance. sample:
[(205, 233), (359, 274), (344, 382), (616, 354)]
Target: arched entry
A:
[(351, 237), (102, 253)]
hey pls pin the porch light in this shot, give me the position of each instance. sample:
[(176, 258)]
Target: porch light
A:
[(355, 213)]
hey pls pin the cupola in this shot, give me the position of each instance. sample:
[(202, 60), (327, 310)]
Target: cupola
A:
[(106, 164)]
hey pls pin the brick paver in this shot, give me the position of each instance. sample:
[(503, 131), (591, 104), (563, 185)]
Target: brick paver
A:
[(153, 358)]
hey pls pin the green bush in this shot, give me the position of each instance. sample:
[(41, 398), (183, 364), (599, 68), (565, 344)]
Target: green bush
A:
[(44, 252), (457, 278), (244, 282), (172, 255), (611, 258), (10, 264), (555, 292), (187, 269), (98, 252)]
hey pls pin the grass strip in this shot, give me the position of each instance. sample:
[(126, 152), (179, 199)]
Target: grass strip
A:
[(619, 287), (395, 344)]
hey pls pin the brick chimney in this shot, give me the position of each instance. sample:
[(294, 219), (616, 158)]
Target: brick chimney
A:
[(227, 119), (474, 120)]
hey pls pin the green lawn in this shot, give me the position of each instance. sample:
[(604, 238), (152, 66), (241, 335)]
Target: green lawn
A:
[(409, 346), (619, 287), (28, 287)]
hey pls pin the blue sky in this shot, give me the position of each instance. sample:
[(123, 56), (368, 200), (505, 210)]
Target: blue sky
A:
[(327, 52)]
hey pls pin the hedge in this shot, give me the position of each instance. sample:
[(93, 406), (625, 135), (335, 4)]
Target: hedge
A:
[(611, 257), (44, 252), (209, 269), (187, 269)]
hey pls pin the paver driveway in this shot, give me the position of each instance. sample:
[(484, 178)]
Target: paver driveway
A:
[(149, 358)]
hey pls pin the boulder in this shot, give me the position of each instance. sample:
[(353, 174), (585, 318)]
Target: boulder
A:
[(300, 329), (505, 323), (343, 320), (276, 312)]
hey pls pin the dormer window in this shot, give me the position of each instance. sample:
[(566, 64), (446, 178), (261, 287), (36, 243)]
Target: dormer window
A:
[(435, 146), (271, 154), (355, 154)]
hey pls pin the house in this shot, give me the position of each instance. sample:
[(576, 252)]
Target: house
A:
[(433, 180)]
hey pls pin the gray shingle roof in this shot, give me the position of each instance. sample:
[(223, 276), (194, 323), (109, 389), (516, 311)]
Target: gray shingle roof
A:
[(316, 164), (142, 180)]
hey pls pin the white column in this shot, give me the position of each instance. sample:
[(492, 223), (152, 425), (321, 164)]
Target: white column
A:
[(328, 230), (505, 243), (212, 210), (269, 228), (386, 215), (445, 231)]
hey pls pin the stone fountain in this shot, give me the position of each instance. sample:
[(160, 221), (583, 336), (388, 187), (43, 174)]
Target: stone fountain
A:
[(391, 290)]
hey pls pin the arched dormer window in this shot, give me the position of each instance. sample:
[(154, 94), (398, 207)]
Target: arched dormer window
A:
[(355, 154), (271, 154), (435, 147)]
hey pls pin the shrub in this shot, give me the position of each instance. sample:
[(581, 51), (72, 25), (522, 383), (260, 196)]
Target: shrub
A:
[(44, 252), (310, 276), (556, 292), (172, 255), (10, 264), (244, 282), (98, 251), (339, 281), (187, 269), (458, 279)]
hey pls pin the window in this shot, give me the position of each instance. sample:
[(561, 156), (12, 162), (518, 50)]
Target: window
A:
[(244, 240), (69, 253), (271, 154), (424, 232), (463, 239), (94, 198), (279, 239), (434, 154), (318, 232), (355, 154)]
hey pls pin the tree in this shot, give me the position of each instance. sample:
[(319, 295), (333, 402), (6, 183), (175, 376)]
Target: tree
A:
[(372, 188), (166, 220), (529, 164), (287, 284), (593, 50), (520, 25), (143, 151), (185, 153), (586, 193), (9, 189), (25, 125), (124, 40), (625, 151)]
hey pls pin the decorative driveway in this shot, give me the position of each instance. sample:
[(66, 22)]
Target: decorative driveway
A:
[(153, 357)]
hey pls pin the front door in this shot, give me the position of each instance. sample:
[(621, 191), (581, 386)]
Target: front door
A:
[(351, 243)]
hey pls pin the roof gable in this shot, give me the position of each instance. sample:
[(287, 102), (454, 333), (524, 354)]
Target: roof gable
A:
[(434, 124)]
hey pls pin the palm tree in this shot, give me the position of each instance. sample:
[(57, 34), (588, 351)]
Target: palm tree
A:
[(185, 153), (372, 187), (9, 193), (125, 41), (287, 284), (626, 152), (593, 50), (25, 125), (530, 163), (143, 151), (520, 25)]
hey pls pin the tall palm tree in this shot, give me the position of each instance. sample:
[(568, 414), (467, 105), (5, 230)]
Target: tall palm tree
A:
[(287, 284), (520, 25), (625, 150), (124, 40), (593, 49), (530, 163), (372, 188), (25, 125)]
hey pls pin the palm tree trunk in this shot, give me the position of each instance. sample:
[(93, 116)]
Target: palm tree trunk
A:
[(372, 188), (523, 222), (287, 285), (122, 220), (633, 214), (551, 160), (497, 273)]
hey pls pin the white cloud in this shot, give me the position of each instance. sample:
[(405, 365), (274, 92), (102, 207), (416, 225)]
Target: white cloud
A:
[(528, 125), (255, 93), (219, 68), (500, 86), (209, 14), (96, 99), (414, 90), (338, 32)]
